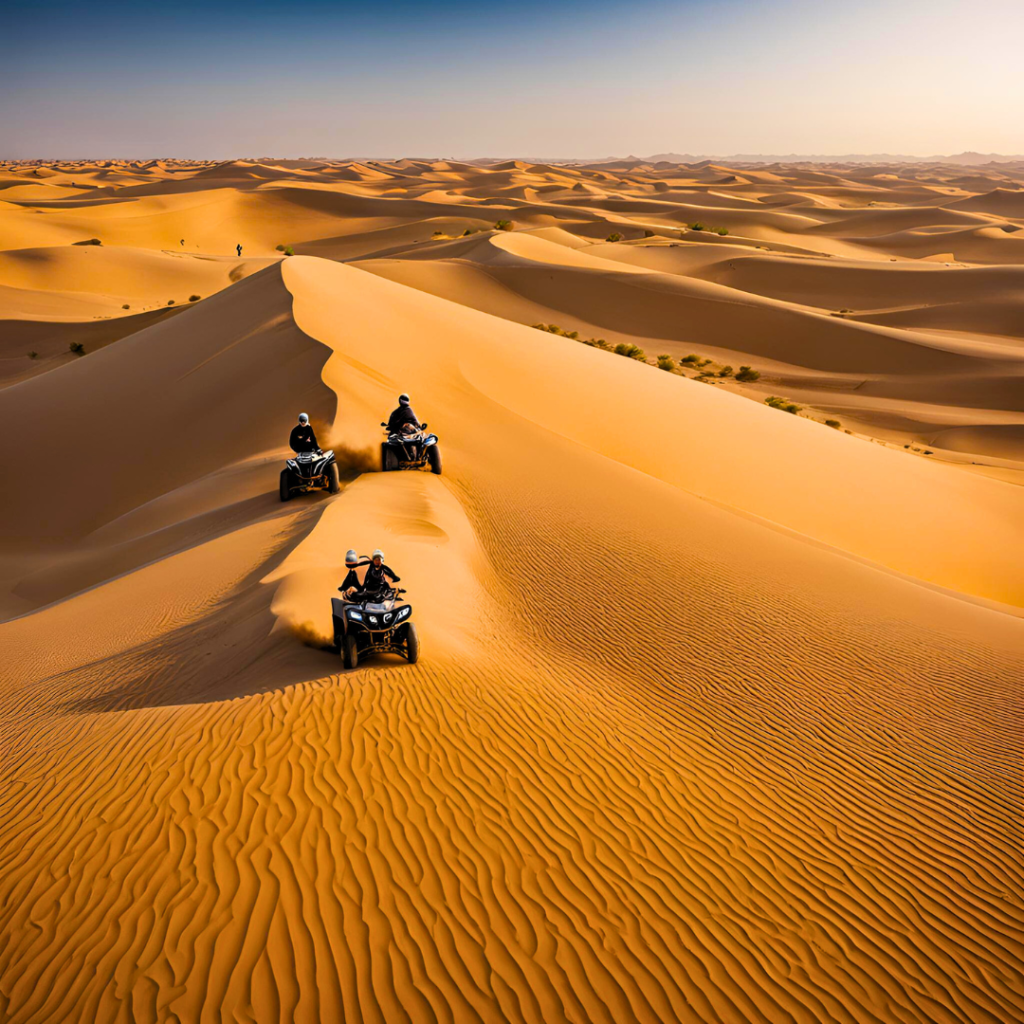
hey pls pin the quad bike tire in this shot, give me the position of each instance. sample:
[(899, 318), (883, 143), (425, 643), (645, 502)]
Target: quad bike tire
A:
[(286, 485), (333, 483), (349, 652), (390, 460), (434, 458), (412, 644)]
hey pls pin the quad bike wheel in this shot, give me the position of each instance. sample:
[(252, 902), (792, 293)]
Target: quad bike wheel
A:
[(412, 644), (390, 460), (333, 484), (434, 458), (286, 485), (349, 652)]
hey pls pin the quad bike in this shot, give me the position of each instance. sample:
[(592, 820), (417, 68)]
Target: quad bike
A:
[(412, 450), (374, 624), (308, 470)]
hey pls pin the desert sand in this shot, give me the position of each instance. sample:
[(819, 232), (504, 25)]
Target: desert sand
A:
[(720, 709)]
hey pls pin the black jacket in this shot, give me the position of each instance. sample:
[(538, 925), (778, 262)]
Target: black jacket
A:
[(375, 578), (402, 415), (302, 438)]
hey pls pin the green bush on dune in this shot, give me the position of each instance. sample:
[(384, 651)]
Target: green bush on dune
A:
[(126, 306), (782, 403), (194, 298), (614, 237), (834, 424), (88, 241), (289, 251), (77, 348), (631, 351), (745, 373), (725, 371), (666, 363), (692, 359), (33, 355), (503, 225)]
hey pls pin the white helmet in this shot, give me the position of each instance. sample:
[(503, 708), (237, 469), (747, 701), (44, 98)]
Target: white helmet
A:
[(378, 554), (303, 417), (351, 557)]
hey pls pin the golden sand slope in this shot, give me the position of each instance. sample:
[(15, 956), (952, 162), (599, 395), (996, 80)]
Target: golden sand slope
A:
[(718, 716)]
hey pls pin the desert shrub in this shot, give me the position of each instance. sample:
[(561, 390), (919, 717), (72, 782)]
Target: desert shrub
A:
[(77, 348), (631, 351), (648, 234), (692, 359), (289, 251), (722, 231), (782, 403), (704, 362), (615, 236), (126, 306), (698, 226), (666, 363), (194, 298), (279, 248), (597, 343), (438, 234), (470, 231), (88, 241), (745, 373), (503, 225), (33, 355), (725, 371), (170, 302), (834, 424)]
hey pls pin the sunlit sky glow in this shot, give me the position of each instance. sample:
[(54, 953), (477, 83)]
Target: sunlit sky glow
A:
[(552, 79)]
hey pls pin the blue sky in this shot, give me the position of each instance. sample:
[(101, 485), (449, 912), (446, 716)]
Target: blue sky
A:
[(557, 78)]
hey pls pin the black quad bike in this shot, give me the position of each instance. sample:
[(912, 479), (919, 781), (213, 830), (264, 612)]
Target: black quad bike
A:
[(374, 624), (307, 470), (412, 450)]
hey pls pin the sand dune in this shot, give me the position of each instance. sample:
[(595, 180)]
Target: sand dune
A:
[(718, 716)]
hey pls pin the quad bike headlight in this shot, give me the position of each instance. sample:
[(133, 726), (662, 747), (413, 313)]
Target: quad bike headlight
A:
[(373, 620), (402, 613), (353, 614)]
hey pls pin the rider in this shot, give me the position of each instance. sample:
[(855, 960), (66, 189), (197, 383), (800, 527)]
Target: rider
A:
[(302, 438), (403, 418), (377, 578), (351, 582)]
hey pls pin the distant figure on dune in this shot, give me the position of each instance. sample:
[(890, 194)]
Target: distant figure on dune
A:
[(302, 438), (238, 248), (183, 243), (403, 417)]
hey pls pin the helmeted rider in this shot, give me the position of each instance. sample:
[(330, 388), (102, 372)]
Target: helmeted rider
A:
[(352, 583), (302, 438), (378, 575), (403, 419)]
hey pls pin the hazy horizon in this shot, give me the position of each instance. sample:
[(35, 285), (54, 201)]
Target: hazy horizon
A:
[(778, 77)]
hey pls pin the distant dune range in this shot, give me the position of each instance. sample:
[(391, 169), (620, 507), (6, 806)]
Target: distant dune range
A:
[(719, 712)]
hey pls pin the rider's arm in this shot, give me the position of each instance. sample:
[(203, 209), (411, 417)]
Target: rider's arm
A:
[(391, 573)]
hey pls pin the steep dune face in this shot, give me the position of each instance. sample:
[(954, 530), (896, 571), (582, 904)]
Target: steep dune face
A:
[(718, 713)]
